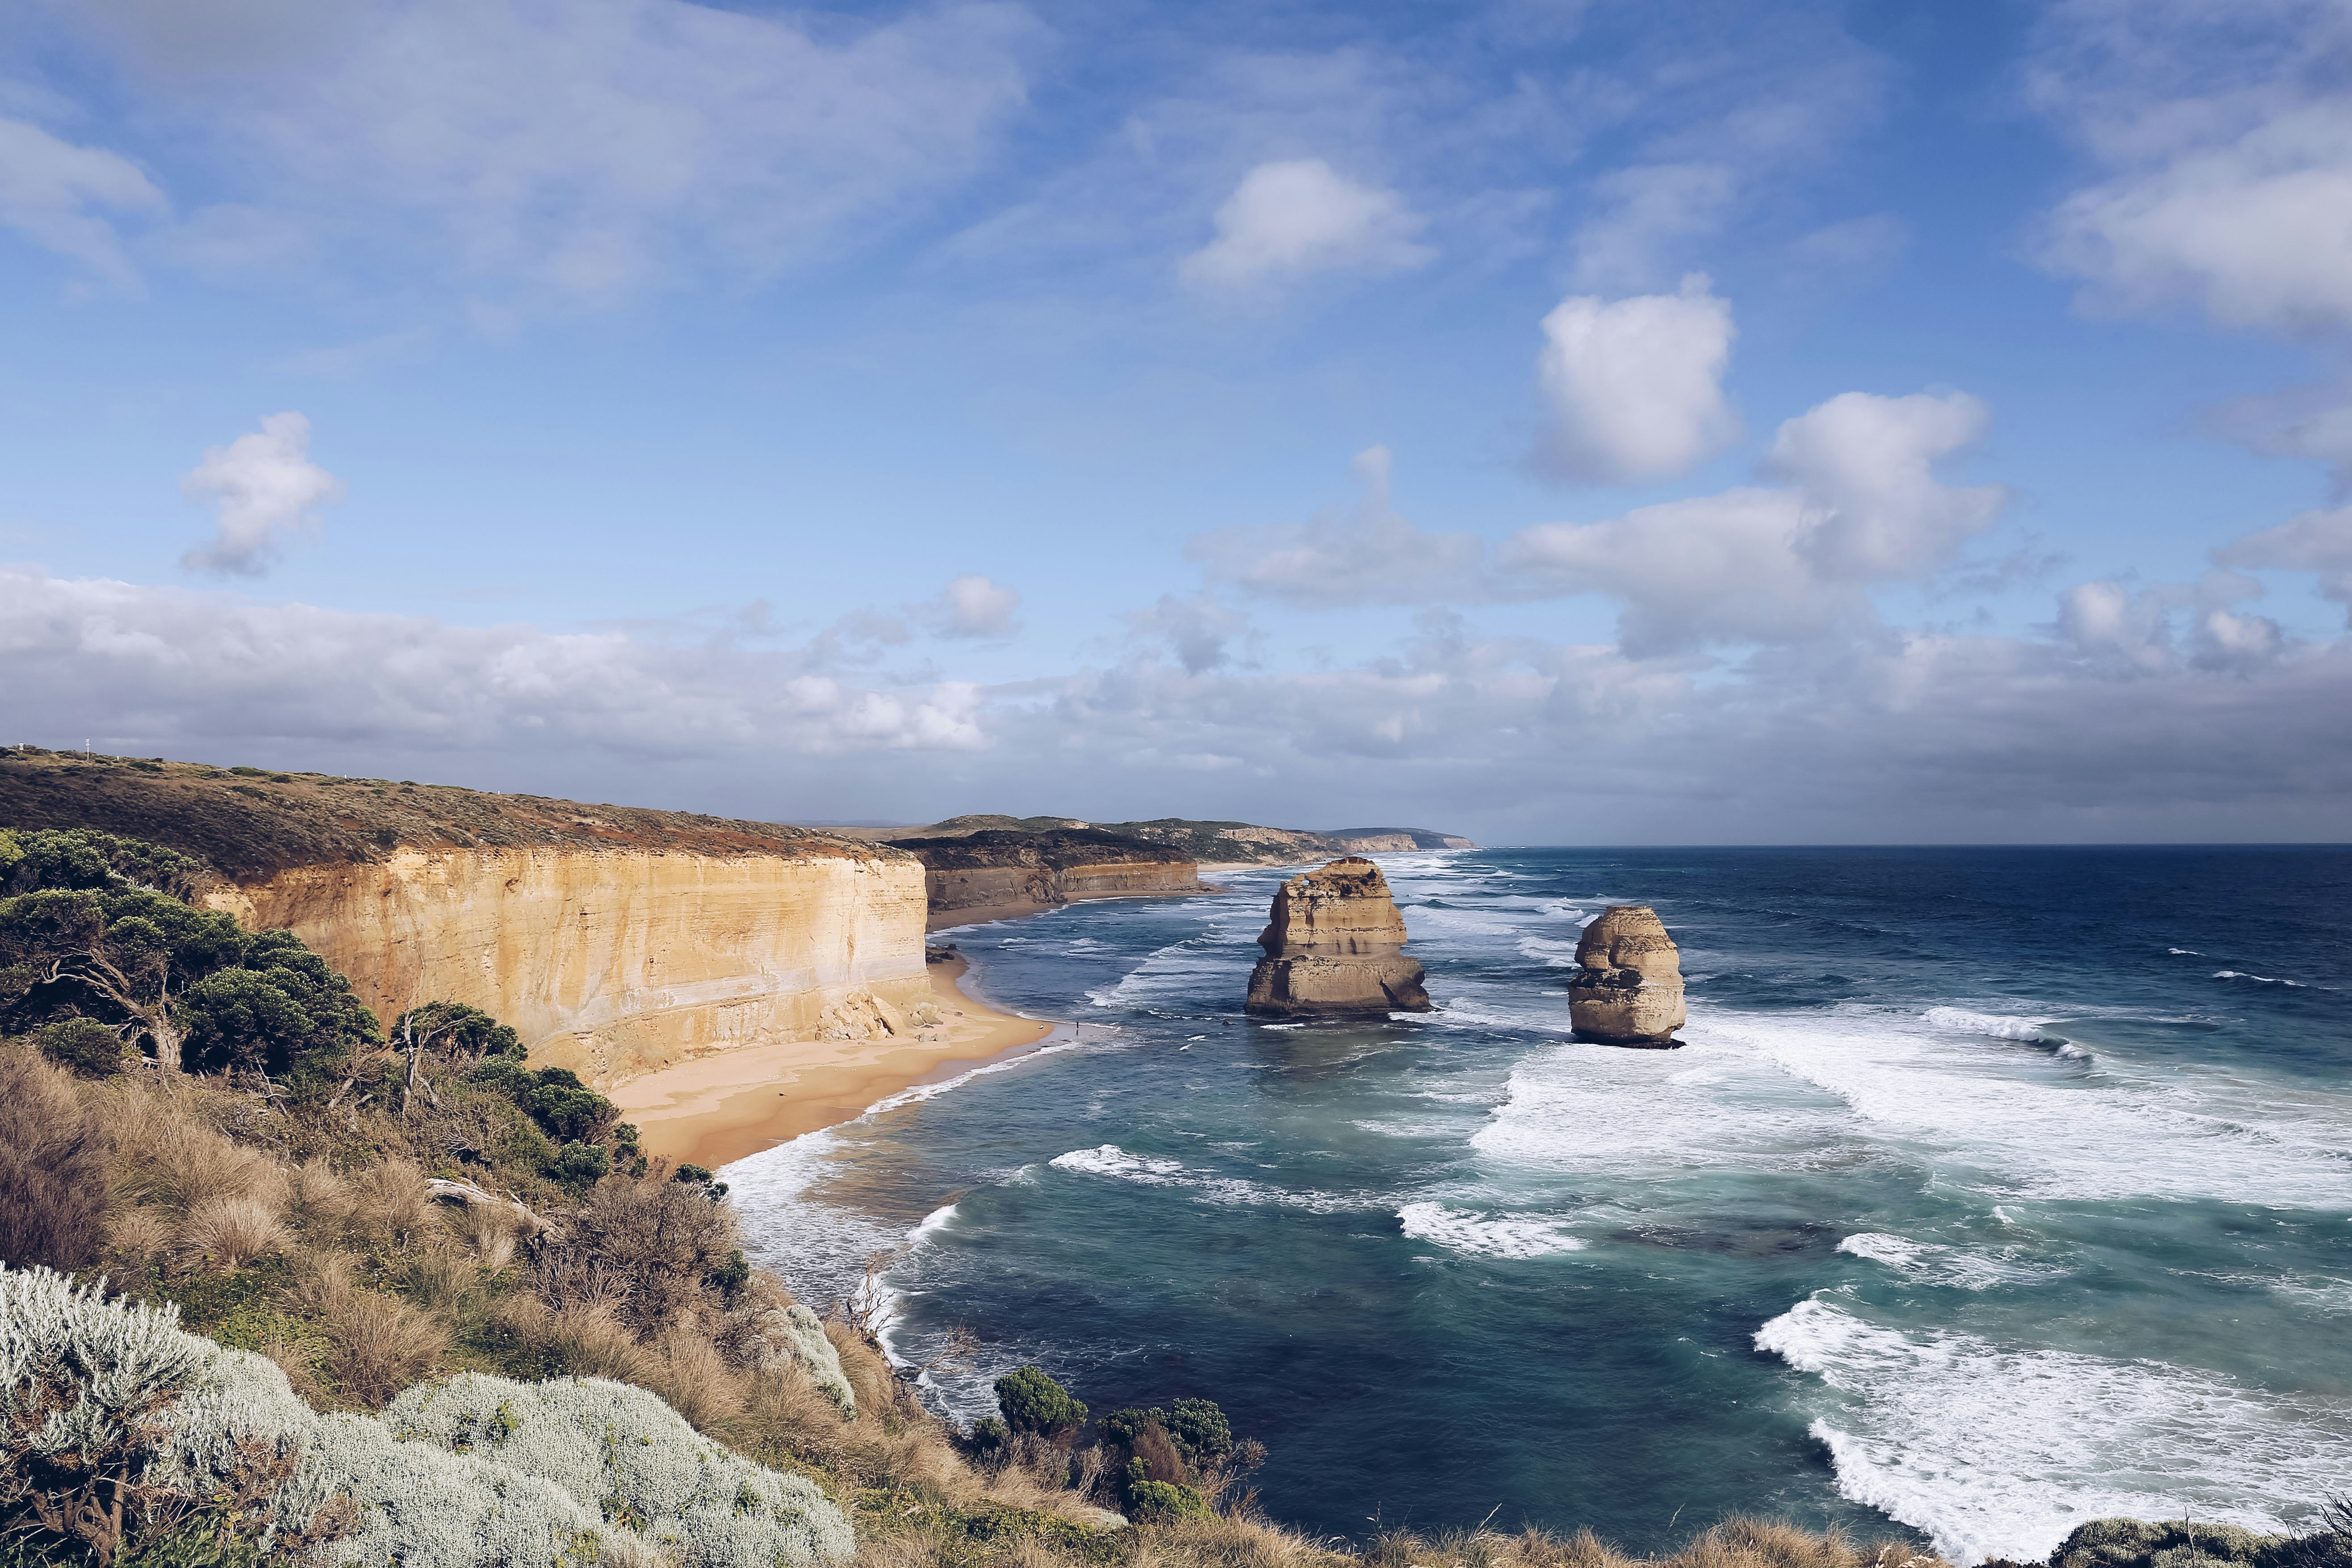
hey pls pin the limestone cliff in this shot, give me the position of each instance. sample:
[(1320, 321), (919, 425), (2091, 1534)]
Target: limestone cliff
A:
[(615, 940), (1332, 948), (1627, 988), (1004, 869), (1208, 843)]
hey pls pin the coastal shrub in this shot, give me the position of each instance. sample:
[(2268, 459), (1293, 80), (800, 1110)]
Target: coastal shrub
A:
[(82, 858), (1032, 1401), (1148, 1498), (84, 1046), (658, 1242), (2170, 1543), (647, 1470), (454, 1030), (1197, 1428), (53, 1173), (564, 1108), (192, 984), (221, 1463), (793, 1333)]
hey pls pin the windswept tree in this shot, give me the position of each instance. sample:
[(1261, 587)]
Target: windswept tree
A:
[(82, 939)]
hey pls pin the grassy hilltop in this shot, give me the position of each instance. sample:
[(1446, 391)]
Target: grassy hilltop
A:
[(380, 1297)]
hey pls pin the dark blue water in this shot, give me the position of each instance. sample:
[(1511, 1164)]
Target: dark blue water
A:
[(1994, 1190)]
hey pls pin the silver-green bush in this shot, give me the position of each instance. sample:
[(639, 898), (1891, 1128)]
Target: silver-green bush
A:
[(647, 1468), (477, 1470), (795, 1334)]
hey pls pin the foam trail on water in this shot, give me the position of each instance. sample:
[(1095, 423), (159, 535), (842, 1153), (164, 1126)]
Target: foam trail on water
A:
[(1999, 1451), (1483, 1236)]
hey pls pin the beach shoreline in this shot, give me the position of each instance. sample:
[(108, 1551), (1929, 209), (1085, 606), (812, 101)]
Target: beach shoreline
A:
[(718, 1109)]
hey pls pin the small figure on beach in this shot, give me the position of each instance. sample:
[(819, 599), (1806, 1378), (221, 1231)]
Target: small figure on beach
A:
[(1331, 949), (1627, 987)]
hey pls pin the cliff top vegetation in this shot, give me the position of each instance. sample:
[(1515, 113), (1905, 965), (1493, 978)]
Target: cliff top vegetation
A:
[(248, 824), (1214, 843)]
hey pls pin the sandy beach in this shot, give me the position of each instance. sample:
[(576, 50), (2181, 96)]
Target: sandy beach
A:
[(721, 1107)]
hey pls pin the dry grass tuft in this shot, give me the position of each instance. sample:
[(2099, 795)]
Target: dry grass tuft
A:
[(53, 1167), (391, 1205), (587, 1340), (318, 1194), (227, 1232), (376, 1344)]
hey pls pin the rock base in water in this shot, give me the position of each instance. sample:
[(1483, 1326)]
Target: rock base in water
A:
[(1627, 989), (1331, 949)]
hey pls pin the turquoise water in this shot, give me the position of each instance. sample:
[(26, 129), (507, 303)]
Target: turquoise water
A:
[(1993, 1191)]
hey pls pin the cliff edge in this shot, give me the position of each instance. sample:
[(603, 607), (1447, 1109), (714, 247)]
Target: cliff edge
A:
[(1007, 870), (616, 940)]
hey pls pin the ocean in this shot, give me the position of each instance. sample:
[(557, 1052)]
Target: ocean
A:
[(1993, 1191)]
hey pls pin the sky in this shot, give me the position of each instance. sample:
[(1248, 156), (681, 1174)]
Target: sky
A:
[(1581, 423)]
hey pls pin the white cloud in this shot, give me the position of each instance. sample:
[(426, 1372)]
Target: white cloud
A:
[(572, 155), (1866, 467), (263, 486), (976, 608), (1199, 631), (1652, 208), (2227, 138), (49, 189), (181, 667), (1367, 557), (1779, 565), (1634, 387), (2318, 541), (1290, 220)]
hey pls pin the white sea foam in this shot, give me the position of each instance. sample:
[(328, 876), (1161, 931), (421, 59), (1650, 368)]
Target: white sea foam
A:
[(1110, 1160), (2184, 952), (2264, 979), (1484, 1235), (1999, 1025), (2021, 1125), (1933, 1265), (2001, 1451), (1558, 954)]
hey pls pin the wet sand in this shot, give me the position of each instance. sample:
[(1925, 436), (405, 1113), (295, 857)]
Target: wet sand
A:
[(721, 1107)]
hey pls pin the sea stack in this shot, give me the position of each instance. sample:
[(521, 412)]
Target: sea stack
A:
[(1331, 949), (1627, 989)]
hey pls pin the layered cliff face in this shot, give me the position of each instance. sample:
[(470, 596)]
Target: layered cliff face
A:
[(1005, 870), (1332, 946), (616, 940), (1208, 843), (1627, 988)]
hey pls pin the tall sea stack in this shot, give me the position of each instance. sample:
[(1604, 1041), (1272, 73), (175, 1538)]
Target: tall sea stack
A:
[(1627, 989), (1331, 949)]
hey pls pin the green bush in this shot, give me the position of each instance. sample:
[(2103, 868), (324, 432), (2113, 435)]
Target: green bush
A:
[(563, 1107), (1197, 1428), (1148, 1498), (581, 1164), (1034, 1402), (85, 1045), (988, 1433)]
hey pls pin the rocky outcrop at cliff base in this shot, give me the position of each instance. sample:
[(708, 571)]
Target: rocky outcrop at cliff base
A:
[(1627, 988), (1331, 948)]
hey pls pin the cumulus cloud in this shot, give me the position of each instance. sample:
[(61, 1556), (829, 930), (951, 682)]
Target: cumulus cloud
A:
[(1866, 465), (173, 666), (574, 155), (1777, 565), (2318, 541), (52, 192), (1634, 387), (973, 607), (1290, 220), (2227, 141), (1199, 631), (262, 485), (1368, 555)]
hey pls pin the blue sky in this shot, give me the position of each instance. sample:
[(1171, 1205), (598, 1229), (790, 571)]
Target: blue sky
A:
[(1562, 423)]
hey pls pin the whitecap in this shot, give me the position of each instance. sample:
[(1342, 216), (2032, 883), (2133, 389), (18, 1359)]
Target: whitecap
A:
[(1998, 1451), (1930, 1264), (2184, 952), (1111, 1160), (1486, 1236), (2265, 978)]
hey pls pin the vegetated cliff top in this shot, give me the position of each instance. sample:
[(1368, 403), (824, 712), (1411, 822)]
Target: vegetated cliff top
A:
[(251, 823), (1058, 847), (1212, 843)]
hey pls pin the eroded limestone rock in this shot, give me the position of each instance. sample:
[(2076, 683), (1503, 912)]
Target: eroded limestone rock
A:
[(1627, 988), (1331, 948)]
